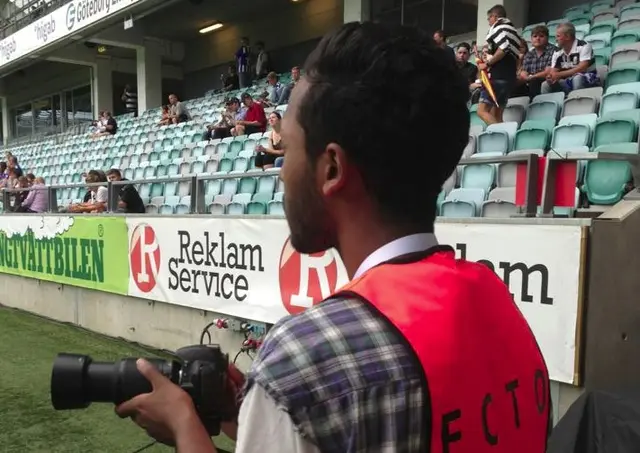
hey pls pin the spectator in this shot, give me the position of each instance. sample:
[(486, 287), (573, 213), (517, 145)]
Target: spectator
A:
[(165, 119), (266, 156), (129, 198), (230, 79), (97, 198), (469, 70), (19, 197), (98, 125), (14, 167), (573, 65), (254, 120), (110, 126), (178, 113), (130, 100), (3, 171), (262, 60), (243, 63), (37, 200), (229, 118), (537, 61), (440, 38), (504, 46), (275, 88), (31, 178), (286, 91)]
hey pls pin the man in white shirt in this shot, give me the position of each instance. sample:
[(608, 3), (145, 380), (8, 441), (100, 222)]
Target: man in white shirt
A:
[(339, 377), (573, 65)]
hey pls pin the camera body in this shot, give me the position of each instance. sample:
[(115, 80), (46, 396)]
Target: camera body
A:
[(200, 370)]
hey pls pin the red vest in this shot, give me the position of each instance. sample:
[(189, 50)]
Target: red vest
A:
[(488, 385)]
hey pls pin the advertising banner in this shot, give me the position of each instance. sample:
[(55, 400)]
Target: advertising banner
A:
[(63, 22), (247, 268), (90, 252)]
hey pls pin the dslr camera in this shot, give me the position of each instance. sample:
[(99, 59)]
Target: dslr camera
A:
[(201, 370)]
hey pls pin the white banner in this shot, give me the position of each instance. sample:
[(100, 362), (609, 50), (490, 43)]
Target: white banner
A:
[(64, 21), (248, 269)]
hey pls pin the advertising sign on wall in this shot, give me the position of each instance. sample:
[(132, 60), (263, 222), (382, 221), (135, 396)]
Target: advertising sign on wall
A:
[(90, 252), (248, 269)]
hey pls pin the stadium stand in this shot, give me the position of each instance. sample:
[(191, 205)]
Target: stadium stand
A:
[(163, 160)]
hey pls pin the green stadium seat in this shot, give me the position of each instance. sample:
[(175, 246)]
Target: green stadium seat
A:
[(256, 208), (247, 185), (624, 73), (624, 96), (605, 181), (617, 127), (572, 131), (461, 203), (481, 176)]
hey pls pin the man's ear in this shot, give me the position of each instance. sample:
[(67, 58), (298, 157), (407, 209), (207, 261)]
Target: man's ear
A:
[(333, 166)]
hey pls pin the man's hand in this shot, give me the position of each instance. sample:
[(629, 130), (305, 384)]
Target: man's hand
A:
[(523, 76), (164, 412), (553, 76), (482, 66)]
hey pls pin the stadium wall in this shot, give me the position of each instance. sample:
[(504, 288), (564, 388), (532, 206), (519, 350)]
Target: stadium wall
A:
[(285, 28)]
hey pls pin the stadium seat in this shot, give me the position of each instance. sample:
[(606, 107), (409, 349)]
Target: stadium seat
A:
[(500, 203), (572, 131), (275, 208), (481, 176), (629, 12), (581, 102), (625, 53), (514, 113), (534, 134), (602, 56), (624, 96), (497, 138), (462, 203), (545, 106), (617, 127), (623, 73), (256, 208), (605, 181)]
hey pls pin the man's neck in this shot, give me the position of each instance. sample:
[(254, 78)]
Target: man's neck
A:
[(354, 252), (567, 47)]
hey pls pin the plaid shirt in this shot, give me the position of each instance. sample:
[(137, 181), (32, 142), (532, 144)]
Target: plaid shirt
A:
[(534, 64), (347, 381)]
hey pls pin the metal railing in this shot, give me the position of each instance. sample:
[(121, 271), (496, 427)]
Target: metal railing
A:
[(197, 183)]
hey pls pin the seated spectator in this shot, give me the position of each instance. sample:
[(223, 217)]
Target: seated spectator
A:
[(230, 79), (129, 198), (97, 198), (3, 172), (573, 65), (98, 125), (31, 178), (254, 120), (234, 112), (537, 61), (286, 91), (275, 89), (110, 126), (266, 156), (19, 197), (37, 200), (165, 120), (469, 70), (178, 112)]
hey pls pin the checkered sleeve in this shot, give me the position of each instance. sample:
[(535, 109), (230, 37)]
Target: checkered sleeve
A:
[(347, 381)]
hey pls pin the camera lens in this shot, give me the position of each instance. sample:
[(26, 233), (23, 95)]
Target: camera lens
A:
[(77, 381)]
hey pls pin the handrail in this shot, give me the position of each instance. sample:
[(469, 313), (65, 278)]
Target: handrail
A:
[(197, 182)]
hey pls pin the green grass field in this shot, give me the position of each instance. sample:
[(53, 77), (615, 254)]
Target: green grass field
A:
[(28, 423)]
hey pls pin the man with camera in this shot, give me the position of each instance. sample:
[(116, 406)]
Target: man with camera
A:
[(420, 352)]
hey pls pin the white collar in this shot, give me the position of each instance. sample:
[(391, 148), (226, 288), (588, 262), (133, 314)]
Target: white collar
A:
[(398, 247)]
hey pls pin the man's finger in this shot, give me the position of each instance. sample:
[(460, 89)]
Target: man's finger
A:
[(129, 408), (150, 372)]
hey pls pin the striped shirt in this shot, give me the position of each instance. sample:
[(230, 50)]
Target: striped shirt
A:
[(580, 51), (503, 35)]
